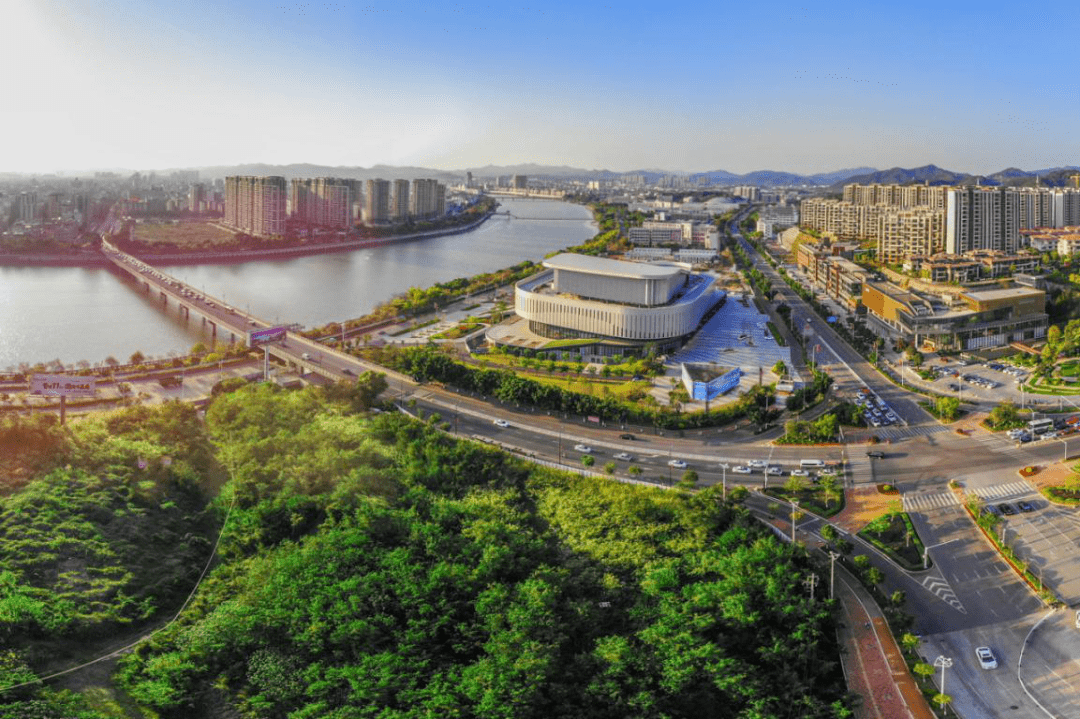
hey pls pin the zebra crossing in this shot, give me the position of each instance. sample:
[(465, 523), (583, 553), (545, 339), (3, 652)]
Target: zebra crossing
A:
[(923, 502), (1004, 491), (901, 432)]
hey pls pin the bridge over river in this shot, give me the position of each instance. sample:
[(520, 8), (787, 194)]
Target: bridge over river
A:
[(294, 350)]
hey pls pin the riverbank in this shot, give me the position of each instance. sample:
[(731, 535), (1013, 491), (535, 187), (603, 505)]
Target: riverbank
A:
[(234, 256)]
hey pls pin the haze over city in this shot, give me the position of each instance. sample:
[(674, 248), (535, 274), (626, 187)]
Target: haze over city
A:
[(796, 86)]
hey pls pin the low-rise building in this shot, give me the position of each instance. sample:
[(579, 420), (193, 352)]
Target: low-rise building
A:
[(976, 320)]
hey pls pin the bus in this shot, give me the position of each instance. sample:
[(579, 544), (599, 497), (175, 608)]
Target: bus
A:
[(1040, 426)]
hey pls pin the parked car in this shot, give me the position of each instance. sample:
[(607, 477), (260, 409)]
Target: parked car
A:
[(1006, 509), (986, 658), (1025, 506)]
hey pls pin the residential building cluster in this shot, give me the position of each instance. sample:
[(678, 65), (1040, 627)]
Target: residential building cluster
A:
[(906, 220), (261, 206)]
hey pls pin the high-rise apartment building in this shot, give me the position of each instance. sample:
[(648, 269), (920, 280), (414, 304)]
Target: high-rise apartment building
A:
[(521, 182), (256, 205), (428, 199), (197, 198), (26, 206), (399, 200), (912, 231), (377, 201), (982, 218), (323, 201)]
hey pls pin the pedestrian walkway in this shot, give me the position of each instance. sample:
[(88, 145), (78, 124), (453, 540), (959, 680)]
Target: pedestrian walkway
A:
[(860, 468)]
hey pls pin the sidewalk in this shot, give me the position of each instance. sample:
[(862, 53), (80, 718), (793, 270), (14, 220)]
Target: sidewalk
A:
[(873, 664)]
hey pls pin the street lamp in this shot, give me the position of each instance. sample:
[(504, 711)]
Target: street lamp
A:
[(943, 662), (794, 509), (725, 468)]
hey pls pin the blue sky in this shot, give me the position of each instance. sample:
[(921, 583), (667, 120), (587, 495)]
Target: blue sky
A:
[(796, 86)]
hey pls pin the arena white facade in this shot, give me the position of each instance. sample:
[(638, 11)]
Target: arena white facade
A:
[(620, 304)]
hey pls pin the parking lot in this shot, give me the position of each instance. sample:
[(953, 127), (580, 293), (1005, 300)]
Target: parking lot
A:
[(993, 381), (1047, 537)]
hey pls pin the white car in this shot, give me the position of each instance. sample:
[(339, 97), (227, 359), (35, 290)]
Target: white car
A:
[(742, 470), (583, 448), (775, 471), (986, 658), (626, 457), (757, 463), (677, 464), (799, 473), (501, 423)]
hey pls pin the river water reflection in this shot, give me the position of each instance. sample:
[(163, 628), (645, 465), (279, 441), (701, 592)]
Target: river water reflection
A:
[(74, 314)]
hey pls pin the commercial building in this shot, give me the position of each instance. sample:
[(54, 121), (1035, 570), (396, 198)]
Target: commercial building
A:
[(256, 205), (597, 307), (969, 321)]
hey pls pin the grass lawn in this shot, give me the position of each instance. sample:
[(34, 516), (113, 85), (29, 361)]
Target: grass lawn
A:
[(1069, 369), (184, 235)]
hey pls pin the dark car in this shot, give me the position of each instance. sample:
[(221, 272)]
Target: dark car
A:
[(348, 371), (626, 435), (1006, 509), (876, 453), (991, 510), (1025, 506)]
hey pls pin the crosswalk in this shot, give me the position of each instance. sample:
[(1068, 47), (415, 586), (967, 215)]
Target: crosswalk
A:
[(901, 432), (926, 501)]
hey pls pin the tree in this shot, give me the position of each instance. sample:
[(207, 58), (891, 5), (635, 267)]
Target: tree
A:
[(634, 470), (688, 480), (923, 669), (779, 369), (137, 357), (910, 642), (609, 468), (830, 489), (588, 460), (1004, 415), (948, 408), (795, 484)]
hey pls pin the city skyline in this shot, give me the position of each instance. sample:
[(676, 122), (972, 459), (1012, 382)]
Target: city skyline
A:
[(787, 87)]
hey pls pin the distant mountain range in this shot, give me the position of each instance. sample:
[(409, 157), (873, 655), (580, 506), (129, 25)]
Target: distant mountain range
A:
[(832, 181), (934, 175)]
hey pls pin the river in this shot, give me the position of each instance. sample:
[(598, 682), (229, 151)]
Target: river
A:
[(72, 314)]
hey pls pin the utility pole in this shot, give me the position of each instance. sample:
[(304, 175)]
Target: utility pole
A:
[(810, 583), (794, 509)]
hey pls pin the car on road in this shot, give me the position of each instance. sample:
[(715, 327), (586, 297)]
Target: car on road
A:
[(742, 470), (347, 371), (876, 454), (757, 463), (986, 658), (626, 435), (501, 423), (625, 456), (799, 473), (1025, 506), (583, 448), (775, 470), (677, 464), (1006, 509)]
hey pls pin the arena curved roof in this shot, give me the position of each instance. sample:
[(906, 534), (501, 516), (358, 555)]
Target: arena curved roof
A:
[(614, 268)]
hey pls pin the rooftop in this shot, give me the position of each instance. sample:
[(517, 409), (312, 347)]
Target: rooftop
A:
[(614, 268), (989, 295)]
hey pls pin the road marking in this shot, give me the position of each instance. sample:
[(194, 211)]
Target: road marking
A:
[(940, 588)]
